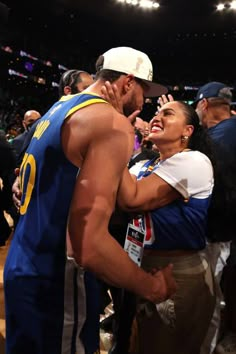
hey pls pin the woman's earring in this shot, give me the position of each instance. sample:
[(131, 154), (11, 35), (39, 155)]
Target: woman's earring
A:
[(184, 138)]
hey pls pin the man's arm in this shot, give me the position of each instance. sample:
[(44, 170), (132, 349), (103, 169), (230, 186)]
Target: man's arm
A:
[(108, 142)]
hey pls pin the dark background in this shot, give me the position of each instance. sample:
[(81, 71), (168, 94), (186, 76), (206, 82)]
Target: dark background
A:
[(189, 42)]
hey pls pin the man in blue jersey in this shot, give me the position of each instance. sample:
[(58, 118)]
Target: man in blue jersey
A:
[(71, 82), (212, 104), (70, 175)]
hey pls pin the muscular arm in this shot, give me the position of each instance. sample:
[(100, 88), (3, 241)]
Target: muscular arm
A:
[(147, 194), (109, 145)]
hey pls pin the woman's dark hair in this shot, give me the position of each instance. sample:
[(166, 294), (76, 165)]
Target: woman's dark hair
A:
[(69, 78), (222, 209), (200, 139)]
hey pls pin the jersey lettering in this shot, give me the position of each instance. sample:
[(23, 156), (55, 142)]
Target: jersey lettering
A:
[(27, 180), (40, 129)]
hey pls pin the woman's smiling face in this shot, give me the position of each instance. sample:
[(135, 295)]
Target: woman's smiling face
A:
[(169, 125)]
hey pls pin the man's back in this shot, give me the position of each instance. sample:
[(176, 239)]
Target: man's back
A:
[(222, 212), (36, 259), (224, 134), (47, 179)]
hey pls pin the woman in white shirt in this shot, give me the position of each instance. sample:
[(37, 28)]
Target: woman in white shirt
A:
[(172, 194)]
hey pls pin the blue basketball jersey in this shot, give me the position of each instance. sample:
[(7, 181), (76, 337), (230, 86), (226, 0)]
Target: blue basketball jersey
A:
[(35, 267)]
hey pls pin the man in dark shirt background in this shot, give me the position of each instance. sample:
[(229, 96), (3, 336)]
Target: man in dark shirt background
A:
[(7, 165)]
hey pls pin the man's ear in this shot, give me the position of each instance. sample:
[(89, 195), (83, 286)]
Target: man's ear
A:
[(188, 130), (128, 82), (204, 103), (67, 90)]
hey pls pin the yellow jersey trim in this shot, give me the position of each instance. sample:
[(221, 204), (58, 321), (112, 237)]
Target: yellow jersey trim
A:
[(68, 97), (84, 104)]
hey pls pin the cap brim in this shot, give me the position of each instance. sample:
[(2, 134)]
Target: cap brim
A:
[(153, 89)]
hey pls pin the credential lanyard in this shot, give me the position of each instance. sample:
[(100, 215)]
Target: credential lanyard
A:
[(136, 233), (147, 168)]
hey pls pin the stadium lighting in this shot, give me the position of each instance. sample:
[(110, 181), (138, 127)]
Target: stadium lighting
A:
[(156, 5), (233, 5), (220, 7), (145, 4)]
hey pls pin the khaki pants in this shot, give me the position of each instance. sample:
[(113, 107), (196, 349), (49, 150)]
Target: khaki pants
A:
[(178, 325)]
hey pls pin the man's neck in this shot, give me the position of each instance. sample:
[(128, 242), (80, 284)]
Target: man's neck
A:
[(214, 121), (95, 88)]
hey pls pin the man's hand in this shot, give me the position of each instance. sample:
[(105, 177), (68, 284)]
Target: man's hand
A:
[(16, 196), (165, 285), (111, 94)]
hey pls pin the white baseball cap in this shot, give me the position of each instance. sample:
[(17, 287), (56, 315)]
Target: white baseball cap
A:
[(131, 61)]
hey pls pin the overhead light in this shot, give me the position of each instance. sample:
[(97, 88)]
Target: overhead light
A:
[(220, 7), (148, 4), (145, 4), (233, 5)]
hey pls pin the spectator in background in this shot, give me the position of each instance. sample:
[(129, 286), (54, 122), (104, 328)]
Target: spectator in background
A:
[(140, 125), (140, 151), (74, 81), (213, 105), (29, 119), (7, 165), (12, 131)]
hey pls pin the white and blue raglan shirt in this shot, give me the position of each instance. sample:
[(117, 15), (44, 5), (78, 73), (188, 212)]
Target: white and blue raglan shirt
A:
[(182, 223)]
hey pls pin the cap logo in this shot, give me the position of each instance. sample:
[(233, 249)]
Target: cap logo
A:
[(139, 62), (201, 95), (150, 75), (133, 62)]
